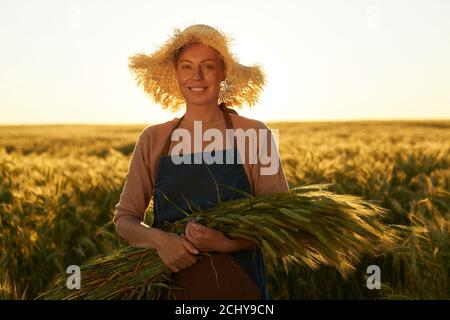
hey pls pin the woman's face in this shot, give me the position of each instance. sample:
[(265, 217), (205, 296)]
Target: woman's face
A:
[(199, 72)]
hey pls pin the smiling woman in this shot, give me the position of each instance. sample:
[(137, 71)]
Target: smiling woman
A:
[(195, 70), (199, 80)]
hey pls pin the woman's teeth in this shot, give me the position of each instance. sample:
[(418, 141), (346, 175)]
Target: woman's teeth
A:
[(197, 89)]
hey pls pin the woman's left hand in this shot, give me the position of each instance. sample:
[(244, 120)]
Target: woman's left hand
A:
[(206, 239)]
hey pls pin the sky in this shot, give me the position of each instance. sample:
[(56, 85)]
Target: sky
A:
[(67, 61)]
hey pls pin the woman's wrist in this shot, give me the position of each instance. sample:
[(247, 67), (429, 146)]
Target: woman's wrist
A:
[(156, 238), (233, 245)]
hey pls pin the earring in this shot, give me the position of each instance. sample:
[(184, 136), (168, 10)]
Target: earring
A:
[(223, 91)]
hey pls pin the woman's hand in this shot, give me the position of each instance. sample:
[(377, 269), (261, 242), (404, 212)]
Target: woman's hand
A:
[(176, 252), (206, 239)]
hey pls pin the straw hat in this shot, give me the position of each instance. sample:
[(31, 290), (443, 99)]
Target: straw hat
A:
[(155, 73)]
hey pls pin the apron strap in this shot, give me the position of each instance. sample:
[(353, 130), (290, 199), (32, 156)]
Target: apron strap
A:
[(226, 113)]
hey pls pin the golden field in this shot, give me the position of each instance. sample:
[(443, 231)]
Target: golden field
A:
[(59, 185)]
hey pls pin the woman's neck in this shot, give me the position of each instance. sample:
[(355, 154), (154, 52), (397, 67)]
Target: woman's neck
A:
[(204, 113)]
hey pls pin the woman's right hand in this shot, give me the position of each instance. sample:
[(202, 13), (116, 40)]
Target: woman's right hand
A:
[(176, 252)]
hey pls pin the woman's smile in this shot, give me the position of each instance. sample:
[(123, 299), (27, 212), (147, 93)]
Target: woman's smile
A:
[(198, 90)]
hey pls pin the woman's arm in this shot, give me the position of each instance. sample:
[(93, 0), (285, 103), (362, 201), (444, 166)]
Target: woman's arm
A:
[(137, 233), (136, 195), (208, 239), (175, 251), (140, 235), (233, 245)]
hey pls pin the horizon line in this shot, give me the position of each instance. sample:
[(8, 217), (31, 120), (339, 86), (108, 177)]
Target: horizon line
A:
[(268, 121)]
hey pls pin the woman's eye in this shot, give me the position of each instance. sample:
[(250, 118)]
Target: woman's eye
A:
[(208, 66)]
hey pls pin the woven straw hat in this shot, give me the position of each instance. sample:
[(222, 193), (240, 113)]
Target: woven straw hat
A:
[(155, 73)]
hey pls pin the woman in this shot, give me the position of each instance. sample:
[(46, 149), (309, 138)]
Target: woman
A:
[(195, 68)]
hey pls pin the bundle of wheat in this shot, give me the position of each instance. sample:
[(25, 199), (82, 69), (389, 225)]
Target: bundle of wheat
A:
[(307, 225)]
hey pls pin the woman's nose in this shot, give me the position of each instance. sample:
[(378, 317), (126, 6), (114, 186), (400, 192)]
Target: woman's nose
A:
[(198, 73)]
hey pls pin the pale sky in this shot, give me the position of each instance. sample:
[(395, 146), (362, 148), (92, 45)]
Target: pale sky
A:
[(66, 61)]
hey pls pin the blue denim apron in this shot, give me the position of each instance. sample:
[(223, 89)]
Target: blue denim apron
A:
[(197, 186)]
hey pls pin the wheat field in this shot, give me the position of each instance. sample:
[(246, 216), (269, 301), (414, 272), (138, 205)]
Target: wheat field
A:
[(59, 185)]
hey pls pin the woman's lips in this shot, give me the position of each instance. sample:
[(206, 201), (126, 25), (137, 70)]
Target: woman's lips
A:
[(197, 90)]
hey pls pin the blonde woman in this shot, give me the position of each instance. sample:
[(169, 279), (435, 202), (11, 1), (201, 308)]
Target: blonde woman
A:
[(195, 70)]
